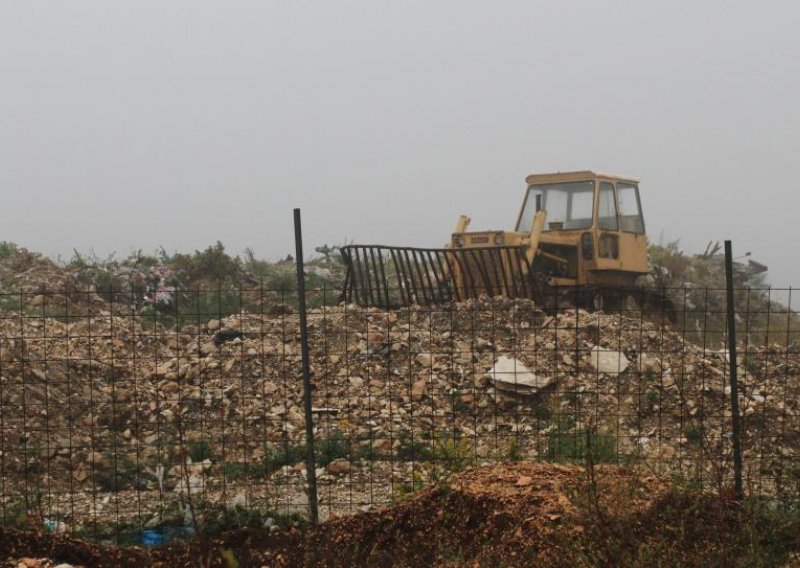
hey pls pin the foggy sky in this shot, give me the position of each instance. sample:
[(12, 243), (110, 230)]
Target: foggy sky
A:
[(129, 125)]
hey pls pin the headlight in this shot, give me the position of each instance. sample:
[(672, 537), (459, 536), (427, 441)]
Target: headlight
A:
[(458, 240), (499, 239)]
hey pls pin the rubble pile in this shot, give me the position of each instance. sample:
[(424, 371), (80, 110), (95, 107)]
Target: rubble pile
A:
[(34, 284), (25, 275), (127, 414), (172, 286)]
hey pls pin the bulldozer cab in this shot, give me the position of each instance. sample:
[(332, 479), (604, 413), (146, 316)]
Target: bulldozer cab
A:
[(592, 221), (607, 202)]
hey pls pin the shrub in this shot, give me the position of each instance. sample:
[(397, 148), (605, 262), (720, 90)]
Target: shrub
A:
[(452, 453), (412, 448), (200, 450), (514, 451), (577, 445), (286, 454), (7, 248), (233, 471), (125, 474), (409, 486), (334, 447), (693, 435)]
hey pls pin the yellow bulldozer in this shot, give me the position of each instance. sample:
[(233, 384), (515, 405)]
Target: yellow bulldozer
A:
[(579, 240)]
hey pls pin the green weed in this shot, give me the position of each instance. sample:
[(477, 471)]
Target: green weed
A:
[(570, 444)]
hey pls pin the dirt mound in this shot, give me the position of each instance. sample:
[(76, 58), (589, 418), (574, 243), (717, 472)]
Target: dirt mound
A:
[(504, 515), (507, 514)]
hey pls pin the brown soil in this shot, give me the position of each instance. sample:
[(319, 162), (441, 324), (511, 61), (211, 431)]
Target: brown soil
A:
[(505, 515)]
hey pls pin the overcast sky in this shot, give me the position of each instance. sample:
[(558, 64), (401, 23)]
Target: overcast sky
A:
[(131, 125)]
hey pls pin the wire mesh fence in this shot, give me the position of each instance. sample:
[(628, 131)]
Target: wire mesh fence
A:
[(126, 421)]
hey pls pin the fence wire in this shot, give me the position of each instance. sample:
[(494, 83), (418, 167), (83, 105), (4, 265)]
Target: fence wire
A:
[(119, 418)]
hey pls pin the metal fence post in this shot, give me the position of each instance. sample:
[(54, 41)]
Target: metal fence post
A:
[(737, 440), (311, 471)]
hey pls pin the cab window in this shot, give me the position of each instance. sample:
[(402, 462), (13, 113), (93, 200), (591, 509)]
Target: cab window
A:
[(630, 208), (606, 208), (568, 205)]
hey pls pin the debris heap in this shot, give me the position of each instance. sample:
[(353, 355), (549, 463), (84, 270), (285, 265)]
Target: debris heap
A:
[(108, 416)]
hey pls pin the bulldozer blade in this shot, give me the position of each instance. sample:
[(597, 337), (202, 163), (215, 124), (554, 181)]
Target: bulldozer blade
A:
[(392, 277)]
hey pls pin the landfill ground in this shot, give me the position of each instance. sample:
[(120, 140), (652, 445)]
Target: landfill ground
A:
[(433, 427), (98, 410), (513, 514)]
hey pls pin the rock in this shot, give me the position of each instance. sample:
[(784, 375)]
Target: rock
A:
[(39, 300), (298, 504), (512, 376), (649, 362), (194, 469), (339, 466), (524, 481), (382, 445), (419, 389), (123, 395), (161, 370), (424, 360), (296, 417), (608, 361), (39, 374), (208, 348), (6, 355), (196, 485), (48, 452)]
